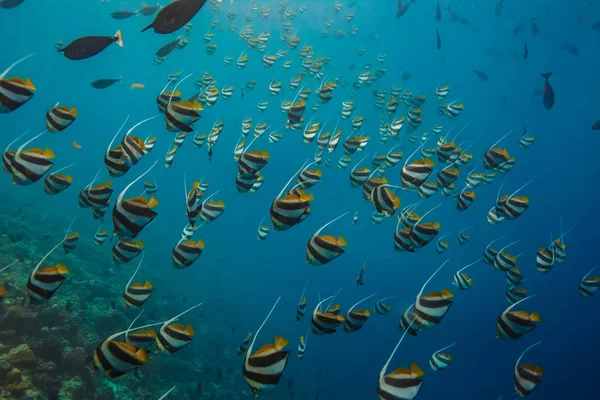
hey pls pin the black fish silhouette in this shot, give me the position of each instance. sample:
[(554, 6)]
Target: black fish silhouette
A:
[(104, 83), (548, 93), (175, 15), (89, 46)]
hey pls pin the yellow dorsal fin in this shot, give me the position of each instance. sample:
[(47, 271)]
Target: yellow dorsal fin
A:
[(189, 331), (139, 244), (139, 199), (142, 355), (437, 225), (69, 178), (152, 202), (401, 371), (196, 184), (535, 317), (267, 348), (341, 241), (280, 342), (150, 332), (415, 370), (61, 269), (200, 244), (74, 112), (148, 285), (447, 294), (265, 154)]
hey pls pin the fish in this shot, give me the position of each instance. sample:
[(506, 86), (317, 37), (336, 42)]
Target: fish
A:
[(548, 95), (6, 4), (514, 294), (323, 249), (301, 352), (527, 377), (263, 370), (438, 39), (534, 27), (381, 307), (105, 83), (147, 10), (173, 337), (525, 52), (325, 323), (90, 46), (132, 215), (123, 14), (175, 15), (186, 253), (168, 48), (56, 182), (402, 383), (14, 92), (481, 75), (589, 285), (402, 9), (137, 294), (100, 236), (125, 251), (60, 118), (438, 13), (28, 166), (440, 361), (355, 319), (515, 324), (244, 345), (571, 48), (499, 7), (116, 358), (43, 283), (461, 280), (596, 125)]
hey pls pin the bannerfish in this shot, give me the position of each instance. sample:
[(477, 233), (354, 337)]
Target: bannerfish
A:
[(90, 46), (104, 83), (548, 93), (175, 16)]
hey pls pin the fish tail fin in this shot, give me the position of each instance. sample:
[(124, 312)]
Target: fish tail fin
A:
[(119, 38), (546, 75)]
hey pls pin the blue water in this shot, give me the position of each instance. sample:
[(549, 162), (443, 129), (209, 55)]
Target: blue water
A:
[(238, 278)]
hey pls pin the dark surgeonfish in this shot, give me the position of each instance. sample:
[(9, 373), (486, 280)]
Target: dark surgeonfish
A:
[(104, 83), (571, 48), (402, 9), (439, 40), (168, 48), (527, 377), (263, 369), (89, 46), (147, 10), (123, 14), (481, 75), (10, 3), (596, 126), (548, 93), (175, 16), (14, 92)]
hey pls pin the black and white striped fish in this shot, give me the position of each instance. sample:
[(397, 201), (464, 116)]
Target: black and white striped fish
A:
[(137, 294), (355, 319), (263, 369), (174, 337), (325, 323), (302, 346), (14, 92), (55, 182), (402, 383), (514, 324), (244, 345), (60, 118), (514, 294), (589, 285), (381, 307), (28, 166), (70, 242), (527, 377), (125, 251), (43, 283), (184, 254), (132, 215), (100, 237), (117, 358), (322, 249), (439, 361)]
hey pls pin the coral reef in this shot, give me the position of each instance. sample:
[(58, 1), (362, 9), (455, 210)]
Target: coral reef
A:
[(46, 350)]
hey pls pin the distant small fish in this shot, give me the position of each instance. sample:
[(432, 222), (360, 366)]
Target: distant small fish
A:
[(438, 13), (104, 83), (10, 3), (174, 16), (570, 47), (596, 26), (534, 27), (499, 7), (147, 10), (122, 14), (463, 20), (517, 28), (137, 86), (583, 14), (439, 40), (76, 145), (525, 52), (402, 9), (481, 75), (548, 93), (596, 126)]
